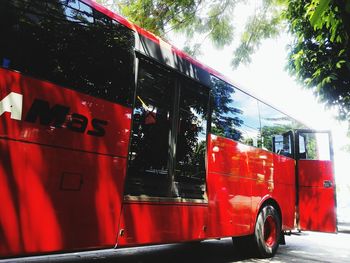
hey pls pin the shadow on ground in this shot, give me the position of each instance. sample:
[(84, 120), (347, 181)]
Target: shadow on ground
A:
[(204, 252)]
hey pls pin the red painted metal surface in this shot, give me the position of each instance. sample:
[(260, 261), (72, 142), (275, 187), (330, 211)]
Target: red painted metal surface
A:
[(150, 223), (59, 189), (114, 142), (240, 179), (230, 188), (317, 202)]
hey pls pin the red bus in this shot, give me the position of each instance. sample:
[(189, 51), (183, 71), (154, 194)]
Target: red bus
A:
[(111, 137)]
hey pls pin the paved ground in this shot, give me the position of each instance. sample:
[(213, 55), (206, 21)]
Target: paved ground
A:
[(304, 247)]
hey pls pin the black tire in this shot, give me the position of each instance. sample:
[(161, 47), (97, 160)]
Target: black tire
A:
[(243, 245), (267, 232)]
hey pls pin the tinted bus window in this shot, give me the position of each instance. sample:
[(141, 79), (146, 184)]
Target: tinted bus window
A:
[(152, 122), (68, 43), (235, 114), (283, 144), (274, 122), (168, 144), (191, 141)]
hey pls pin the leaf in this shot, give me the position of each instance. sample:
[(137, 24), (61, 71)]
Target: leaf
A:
[(339, 63), (341, 52), (317, 14)]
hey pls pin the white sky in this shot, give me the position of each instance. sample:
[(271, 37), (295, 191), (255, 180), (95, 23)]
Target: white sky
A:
[(267, 79)]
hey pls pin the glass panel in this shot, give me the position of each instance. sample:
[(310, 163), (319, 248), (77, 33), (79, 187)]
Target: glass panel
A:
[(314, 146), (73, 3), (274, 122), (191, 141), (58, 41), (149, 151), (235, 114), (283, 144)]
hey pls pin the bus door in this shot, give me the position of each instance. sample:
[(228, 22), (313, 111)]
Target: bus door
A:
[(316, 202)]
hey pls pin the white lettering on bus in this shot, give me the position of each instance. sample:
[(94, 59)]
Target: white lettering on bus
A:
[(12, 103)]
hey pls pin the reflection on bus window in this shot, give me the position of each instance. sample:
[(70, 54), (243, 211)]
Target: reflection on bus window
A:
[(274, 122), (70, 44), (168, 144), (314, 146), (235, 114), (282, 144), (191, 141), (149, 150)]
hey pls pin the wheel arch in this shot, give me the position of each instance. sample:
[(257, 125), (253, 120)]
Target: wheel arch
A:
[(268, 200)]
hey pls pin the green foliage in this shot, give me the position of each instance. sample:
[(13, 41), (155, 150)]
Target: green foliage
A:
[(320, 55), (311, 147), (211, 18), (266, 22)]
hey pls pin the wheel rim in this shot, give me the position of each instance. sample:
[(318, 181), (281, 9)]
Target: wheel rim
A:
[(270, 230)]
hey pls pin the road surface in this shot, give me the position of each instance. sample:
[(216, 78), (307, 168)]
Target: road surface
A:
[(304, 247)]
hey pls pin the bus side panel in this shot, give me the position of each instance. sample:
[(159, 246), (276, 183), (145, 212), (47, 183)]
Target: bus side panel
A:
[(273, 178), (62, 167), (285, 191), (229, 188), (55, 199), (52, 115), (240, 179), (151, 223)]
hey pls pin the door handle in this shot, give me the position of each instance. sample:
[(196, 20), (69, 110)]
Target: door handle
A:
[(327, 184)]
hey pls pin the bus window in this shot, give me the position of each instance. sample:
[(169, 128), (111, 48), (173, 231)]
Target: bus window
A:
[(235, 113), (314, 146), (168, 143), (191, 141), (68, 43), (274, 122), (282, 144), (149, 156)]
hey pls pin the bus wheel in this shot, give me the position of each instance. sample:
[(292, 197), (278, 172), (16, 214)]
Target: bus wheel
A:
[(267, 232)]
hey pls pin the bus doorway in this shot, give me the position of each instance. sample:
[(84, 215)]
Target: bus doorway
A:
[(316, 202)]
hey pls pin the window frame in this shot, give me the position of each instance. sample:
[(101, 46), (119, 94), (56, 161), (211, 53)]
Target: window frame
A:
[(179, 78), (311, 131)]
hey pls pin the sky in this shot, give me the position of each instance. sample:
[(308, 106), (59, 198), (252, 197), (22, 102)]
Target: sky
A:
[(266, 78)]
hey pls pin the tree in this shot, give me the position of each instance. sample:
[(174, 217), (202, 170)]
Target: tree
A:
[(210, 18), (320, 54)]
